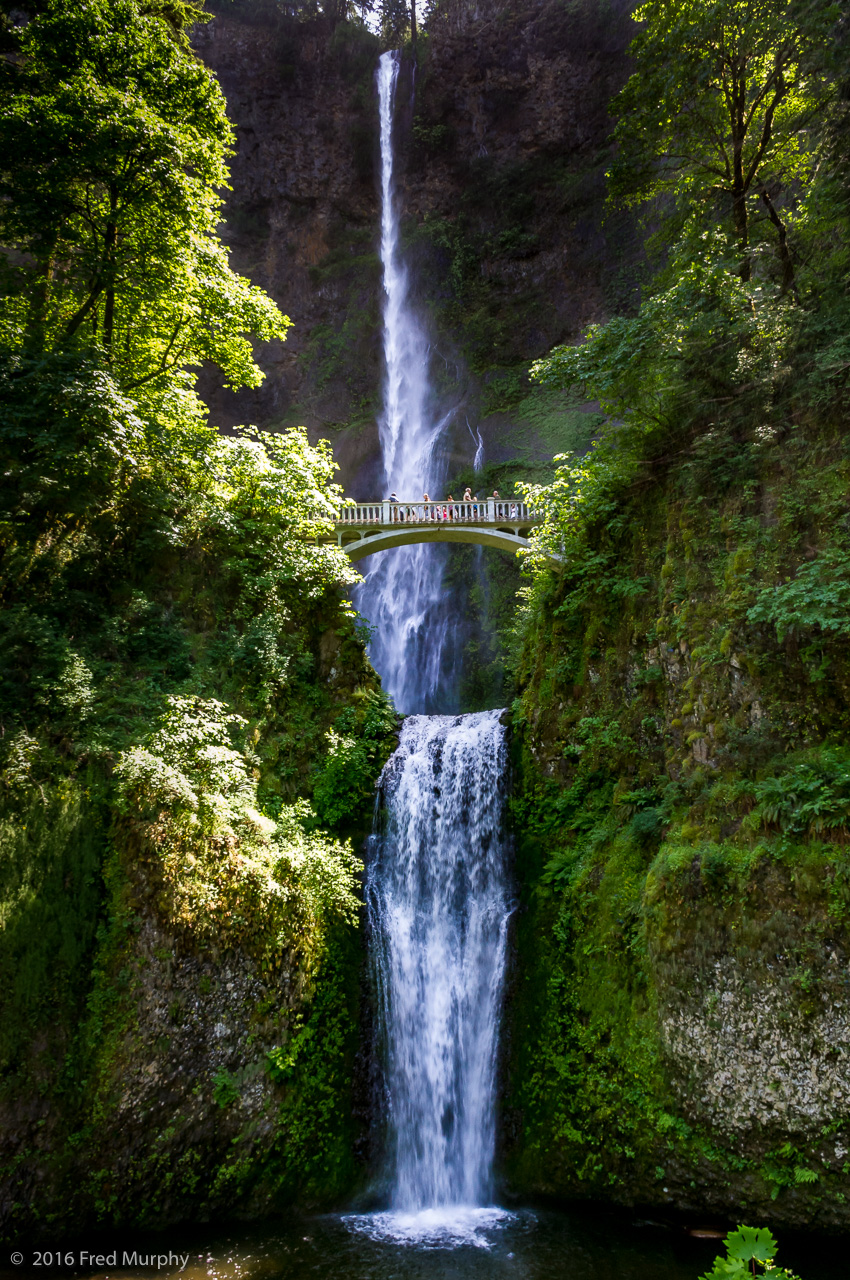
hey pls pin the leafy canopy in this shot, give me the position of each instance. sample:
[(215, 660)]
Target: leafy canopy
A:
[(730, 123), (718, 113), (114, 142)]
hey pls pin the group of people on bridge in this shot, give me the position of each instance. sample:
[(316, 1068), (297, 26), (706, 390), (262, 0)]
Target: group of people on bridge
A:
[(449, 509)]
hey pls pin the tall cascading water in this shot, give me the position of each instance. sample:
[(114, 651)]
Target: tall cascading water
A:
[(439, 906), (402, 596), (437, 885)]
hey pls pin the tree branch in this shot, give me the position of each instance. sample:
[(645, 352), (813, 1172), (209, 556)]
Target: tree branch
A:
[(164, 365)]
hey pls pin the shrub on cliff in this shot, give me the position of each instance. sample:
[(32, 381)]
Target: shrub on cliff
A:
[(221, 870)]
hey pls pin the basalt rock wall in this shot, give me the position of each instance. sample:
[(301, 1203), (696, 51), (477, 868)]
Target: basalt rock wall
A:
[(502, 131)]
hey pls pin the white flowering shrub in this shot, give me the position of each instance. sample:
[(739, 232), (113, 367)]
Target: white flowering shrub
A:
[(224, 870)]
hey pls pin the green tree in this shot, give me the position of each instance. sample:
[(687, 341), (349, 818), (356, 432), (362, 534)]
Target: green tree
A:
[(114, 142), (398, 20), (719, 111)]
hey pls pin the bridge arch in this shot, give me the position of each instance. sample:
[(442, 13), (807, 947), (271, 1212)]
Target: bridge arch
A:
[(368, 544)]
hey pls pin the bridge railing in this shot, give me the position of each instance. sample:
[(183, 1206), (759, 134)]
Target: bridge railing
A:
[(483, 511)]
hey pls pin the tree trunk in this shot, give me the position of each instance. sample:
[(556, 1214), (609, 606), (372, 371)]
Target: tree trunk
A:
[(413, 23), (788, 282), (739, 193), (739, 206), (109, 308)]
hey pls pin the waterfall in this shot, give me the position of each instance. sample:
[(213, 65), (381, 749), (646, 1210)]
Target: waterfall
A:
[(438, 908), (402, 596), (436, 888)]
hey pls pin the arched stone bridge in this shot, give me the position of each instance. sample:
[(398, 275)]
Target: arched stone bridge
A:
[(366, 527)]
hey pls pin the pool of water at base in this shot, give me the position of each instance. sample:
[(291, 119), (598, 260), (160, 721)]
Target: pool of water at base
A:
[(458, 1244)]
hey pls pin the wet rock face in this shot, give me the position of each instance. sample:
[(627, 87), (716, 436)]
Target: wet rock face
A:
[(181, 1102), (744, 1059), (502, 132), (188, 1078)]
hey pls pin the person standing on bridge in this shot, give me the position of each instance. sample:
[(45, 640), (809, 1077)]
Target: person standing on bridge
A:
[(426, 514), (451, 508)]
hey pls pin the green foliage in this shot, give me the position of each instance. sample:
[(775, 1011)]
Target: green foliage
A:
[(114, 139), (228, 873), (749, 1252), (315, 1131), (809, 798), (357, 747), (170, 597), (699, 359), (53, 842), (586, 1073), (720, 110), (817, 597), (225, 1089)]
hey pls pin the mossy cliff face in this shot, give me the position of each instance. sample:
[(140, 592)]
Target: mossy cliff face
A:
[(678, 1020), (191, 736), (182, 972)]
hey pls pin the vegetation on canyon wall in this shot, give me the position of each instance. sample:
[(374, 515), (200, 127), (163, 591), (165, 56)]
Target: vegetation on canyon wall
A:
[(180, 674), (682, 752)]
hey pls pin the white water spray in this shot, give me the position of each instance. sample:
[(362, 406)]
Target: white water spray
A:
[(403, 594), (439, 909)]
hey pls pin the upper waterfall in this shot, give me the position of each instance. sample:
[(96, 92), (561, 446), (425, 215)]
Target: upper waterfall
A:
[(402, 596), (407, 433)]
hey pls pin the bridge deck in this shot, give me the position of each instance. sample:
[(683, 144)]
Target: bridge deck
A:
[(359, 518), (366, 527)]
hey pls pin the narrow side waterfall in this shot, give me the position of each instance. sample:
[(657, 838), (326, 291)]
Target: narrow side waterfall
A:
[(402, 596), (439, 906)]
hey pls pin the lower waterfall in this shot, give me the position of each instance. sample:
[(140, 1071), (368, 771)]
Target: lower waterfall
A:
[(439, 905)]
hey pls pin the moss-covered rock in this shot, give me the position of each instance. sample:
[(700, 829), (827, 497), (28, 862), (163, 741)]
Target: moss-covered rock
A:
[(678, 1026)]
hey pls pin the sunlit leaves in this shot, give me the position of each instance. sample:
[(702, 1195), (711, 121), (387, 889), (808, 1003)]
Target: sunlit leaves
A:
[(225, 871), (721, 108), (114, 142), (706, 348)]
